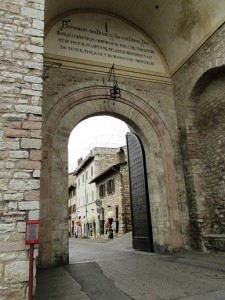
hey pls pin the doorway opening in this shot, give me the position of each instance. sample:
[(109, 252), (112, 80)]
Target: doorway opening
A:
[(99, 202), (68, 111)]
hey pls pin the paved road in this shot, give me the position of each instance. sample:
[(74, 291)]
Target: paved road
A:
[(112, 270), (92, 250)]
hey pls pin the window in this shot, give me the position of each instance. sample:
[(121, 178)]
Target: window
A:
[(78, 181), (111, 186), (117, 212), (83, 178), (86, 174), (102, 190), (92, 171)]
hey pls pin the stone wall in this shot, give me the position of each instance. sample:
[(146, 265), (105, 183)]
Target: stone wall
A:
[(199, 103), (104, 158), (21, 54), (120, 198)]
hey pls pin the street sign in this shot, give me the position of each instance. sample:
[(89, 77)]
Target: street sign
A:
[(32, 227)]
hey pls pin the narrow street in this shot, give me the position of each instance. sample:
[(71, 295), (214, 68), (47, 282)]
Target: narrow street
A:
[(112, 270)]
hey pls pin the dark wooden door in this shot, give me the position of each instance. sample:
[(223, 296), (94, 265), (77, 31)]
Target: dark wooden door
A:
[(140, 207)]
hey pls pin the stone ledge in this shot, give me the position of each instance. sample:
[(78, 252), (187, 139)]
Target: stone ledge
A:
[(214, 236)]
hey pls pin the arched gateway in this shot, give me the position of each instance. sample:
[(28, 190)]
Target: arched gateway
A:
[(66, 114), (79, 50)]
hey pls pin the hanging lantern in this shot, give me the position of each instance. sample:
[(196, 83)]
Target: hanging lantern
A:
[(115, 90)]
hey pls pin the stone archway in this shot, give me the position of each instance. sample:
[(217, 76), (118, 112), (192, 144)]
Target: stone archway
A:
[(203, 143), (62, 118)]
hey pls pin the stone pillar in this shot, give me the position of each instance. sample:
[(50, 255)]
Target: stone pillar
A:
[(21, 54)]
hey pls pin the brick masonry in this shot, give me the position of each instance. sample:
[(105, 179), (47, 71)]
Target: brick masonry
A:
[(21, 54), (200, 103)]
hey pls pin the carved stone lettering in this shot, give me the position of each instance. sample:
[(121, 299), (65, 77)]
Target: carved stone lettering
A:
[(101, 38)]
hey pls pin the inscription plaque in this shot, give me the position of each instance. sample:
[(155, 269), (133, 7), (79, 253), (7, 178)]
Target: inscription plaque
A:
[(103, 38)]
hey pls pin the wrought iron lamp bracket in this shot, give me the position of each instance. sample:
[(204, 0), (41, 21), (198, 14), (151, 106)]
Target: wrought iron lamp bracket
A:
[(115, 92)]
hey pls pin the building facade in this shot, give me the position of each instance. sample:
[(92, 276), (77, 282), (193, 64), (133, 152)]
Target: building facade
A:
[(72, 204), (114, 208), (95, 163), (169, 63)]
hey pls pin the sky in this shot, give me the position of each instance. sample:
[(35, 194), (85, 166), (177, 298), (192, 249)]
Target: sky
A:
[(102, 131)]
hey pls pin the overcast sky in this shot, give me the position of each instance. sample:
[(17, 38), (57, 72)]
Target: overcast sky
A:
[(100, 131)]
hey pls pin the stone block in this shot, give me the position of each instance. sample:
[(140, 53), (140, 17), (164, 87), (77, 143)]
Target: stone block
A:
[(37, 110), (4, 228), (3, 154), (9, 45), (32, 195), (34, 215), (33, 32), (22, 175), (28, 165), (24, 185), (14, 117), (12, 75), (38, 41), (33, 79), (12, 246), (9, 165), (13, 292), (38, 24), (32, 13), (31, 92), (13, 216), (5, 175), (36, 174), (34, 49), (17, 271), (35, 134), (12, 206), (31, 143), (18, 154), (35, 154), (9, 145), (21, 226), (28, 205), (13, 197), (3, 184), (33, 65), (4, 107), (13, 255), (37, 87), (9, 132)]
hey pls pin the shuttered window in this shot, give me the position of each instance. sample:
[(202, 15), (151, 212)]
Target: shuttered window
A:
[(102, 190), (111, 186)]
